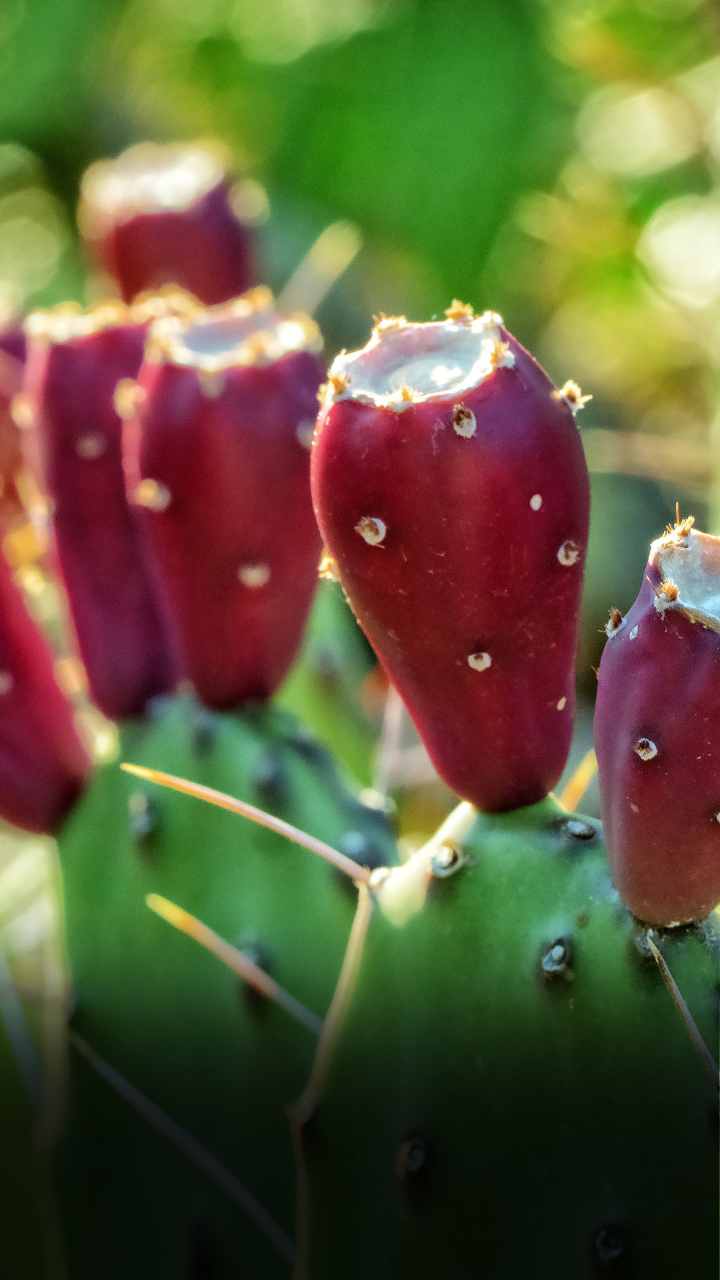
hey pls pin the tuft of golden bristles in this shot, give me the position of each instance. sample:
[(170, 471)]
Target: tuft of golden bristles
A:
[(459, 310)]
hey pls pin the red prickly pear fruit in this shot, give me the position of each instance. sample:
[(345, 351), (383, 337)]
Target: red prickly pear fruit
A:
[(218, 463), (452, 494), (168, 214), (42, 761), (74, 441), (12, 361), (657, 733)]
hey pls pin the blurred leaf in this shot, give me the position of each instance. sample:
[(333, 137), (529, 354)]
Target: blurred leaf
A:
[(45, 65)]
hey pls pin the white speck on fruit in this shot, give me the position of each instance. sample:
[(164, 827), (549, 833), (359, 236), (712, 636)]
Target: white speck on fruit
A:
[(633, 633), (91, 445), (372, 529), (536, 502), (304, 432), (127, 397), (568, 553), (464, 421), (212, 382), (561, 704), (254, 575), (153, 495), (479, 661), (21, 411), (645, 749)]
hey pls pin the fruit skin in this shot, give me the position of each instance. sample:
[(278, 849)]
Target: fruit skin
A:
[(205, 249), (203, 245), (497, 1111), (483, 556), (221, 1061), (12, 360), (43, 763), (233, 537), (658, 681), (75, 448)]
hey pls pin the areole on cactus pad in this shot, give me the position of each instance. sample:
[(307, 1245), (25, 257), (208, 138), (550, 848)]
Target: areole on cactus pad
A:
[(657, 733), (452, 495)]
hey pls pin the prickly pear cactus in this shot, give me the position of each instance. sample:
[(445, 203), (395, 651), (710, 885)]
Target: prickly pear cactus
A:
[(215, 1056), (513, 1092), (183, 527), (519, 1080)]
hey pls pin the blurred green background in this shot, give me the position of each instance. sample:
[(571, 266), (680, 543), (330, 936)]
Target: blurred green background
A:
[(556, 160)]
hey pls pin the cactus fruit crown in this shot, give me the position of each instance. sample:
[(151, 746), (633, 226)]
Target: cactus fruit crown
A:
[(69, 321), (688, 562), (406, 363), (161, 213), (245, 331), (149, 177)]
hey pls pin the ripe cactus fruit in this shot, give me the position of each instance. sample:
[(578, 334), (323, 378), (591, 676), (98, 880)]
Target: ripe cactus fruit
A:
[(221, 1061), (42, 761), (76, 360), (449, 484), (656, 733), (512, 1091), (168, 214), (217, 461)]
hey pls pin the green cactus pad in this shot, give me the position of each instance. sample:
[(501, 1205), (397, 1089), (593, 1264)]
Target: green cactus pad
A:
[(513, 1092), (219, 1060)]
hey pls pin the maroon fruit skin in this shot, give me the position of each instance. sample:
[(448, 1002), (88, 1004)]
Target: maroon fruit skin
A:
[(205, 248), (233, 536), (659, 684), (470, 566), (12, 362), (76, 446), (43, 763)]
